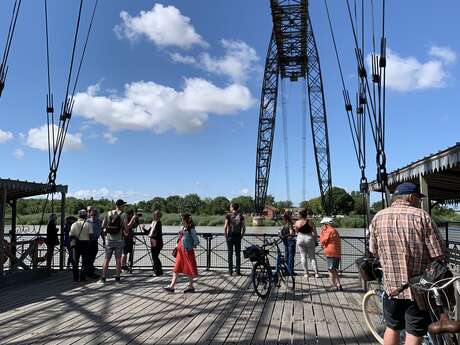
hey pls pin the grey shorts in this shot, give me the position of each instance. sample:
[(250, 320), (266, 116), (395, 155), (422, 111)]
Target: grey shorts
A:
[(333, 263), (114, 247)]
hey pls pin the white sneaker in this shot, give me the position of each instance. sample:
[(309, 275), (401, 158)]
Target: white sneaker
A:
[(306, 275), (317, 275), (101, 281)]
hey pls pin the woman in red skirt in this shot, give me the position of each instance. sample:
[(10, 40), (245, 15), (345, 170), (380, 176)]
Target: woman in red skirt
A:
[(185, 257)]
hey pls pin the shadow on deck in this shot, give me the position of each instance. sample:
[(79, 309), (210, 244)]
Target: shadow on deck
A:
[(224, 310)]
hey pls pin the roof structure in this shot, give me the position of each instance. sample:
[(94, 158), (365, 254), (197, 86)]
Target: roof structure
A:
[(16, 189), (440, 170)]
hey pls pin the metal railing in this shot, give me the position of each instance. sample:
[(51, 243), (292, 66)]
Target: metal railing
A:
[(211, 253)]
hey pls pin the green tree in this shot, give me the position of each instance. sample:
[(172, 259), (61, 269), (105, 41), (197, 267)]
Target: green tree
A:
[(219, 205), (359, 205), (159, 203), (191, 203), (307, 206), (270, 200), (283, 205), (377, 206), (173, 204), (246, 203), (316, 205), (342, 202)]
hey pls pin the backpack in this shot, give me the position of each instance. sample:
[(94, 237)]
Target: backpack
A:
[(436, 271), (235, 224), (369, 268), (114, 224)]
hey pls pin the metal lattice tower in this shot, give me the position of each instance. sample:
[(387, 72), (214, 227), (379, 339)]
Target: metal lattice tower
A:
[(292, 54)]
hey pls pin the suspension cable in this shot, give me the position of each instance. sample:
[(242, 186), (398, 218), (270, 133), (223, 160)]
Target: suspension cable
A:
[(285, 136), (9, 39), (304, 138), (56, 141)]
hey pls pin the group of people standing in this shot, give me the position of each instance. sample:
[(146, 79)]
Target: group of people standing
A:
[(116, 228), (301, 234)]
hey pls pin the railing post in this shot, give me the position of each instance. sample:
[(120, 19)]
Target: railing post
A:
[(457, 303), (208, 251), (61, 237)]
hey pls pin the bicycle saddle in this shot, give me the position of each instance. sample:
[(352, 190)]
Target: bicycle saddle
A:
[(444, 325)]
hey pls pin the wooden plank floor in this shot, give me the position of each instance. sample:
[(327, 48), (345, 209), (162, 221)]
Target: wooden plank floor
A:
[(224, 310)]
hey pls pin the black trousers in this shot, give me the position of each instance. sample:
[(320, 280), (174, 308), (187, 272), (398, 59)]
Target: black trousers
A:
[(81, 250), (157, 267), (92, 253), (234, 242)]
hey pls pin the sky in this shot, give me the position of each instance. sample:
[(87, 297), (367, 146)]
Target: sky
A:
[(168, 97)]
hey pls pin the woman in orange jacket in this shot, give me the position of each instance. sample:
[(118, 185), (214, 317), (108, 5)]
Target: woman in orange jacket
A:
[(330, 241)]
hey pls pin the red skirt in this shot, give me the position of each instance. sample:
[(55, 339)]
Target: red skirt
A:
[(185, 261)]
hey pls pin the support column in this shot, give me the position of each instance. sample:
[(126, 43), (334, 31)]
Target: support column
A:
[(2, 227), (13, 238), (424, 190), (61, 232)]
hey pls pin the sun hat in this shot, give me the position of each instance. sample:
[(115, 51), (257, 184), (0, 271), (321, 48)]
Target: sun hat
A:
[(326, 220)]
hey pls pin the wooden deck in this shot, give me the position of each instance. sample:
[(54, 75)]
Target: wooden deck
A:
[(224, 310)]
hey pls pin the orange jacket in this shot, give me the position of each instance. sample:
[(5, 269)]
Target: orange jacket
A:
[(330, 240)]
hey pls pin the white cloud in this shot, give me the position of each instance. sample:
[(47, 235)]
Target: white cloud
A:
[(18, 153), (163, 25), (5, 136), (244, 191), (408, 73), (238, 61), (185, 59), (37, 138), (148, 105), (446, 54), (105, 193), (110, 138)]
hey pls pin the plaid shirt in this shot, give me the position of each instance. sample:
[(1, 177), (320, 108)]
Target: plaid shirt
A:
[(405, 239)]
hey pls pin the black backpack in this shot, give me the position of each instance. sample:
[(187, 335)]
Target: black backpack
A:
[(113, 223), (235, 223)]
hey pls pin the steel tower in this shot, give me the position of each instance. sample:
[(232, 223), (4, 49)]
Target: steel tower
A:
[(292, 54)]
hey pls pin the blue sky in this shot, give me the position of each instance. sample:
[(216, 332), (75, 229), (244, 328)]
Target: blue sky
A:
[(168, 98)]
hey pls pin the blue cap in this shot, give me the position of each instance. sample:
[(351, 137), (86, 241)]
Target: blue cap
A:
[(407, 188)]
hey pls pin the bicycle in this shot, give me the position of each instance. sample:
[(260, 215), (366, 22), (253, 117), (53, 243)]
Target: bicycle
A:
[(372, 306), (262, 275)]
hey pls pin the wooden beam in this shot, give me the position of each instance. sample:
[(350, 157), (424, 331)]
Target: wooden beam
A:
[(424, 190), (14, 214)]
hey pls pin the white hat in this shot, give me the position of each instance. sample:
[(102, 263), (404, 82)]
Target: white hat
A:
[(326, 220)]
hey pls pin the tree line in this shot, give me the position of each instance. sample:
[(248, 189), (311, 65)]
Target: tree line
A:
[(343, 203)]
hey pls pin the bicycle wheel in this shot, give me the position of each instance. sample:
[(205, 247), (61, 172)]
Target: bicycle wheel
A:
[(261, 279), (373, 314), (287, 278)]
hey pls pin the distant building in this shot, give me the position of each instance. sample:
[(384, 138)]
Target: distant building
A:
[(271, 212)]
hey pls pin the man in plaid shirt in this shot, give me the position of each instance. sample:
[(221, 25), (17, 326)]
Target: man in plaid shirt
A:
[(406, 240)]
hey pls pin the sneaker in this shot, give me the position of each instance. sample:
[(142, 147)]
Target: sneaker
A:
[(189, 290), (317, 275), (306, 275), (169, 289), (101, 281), (117, 279)]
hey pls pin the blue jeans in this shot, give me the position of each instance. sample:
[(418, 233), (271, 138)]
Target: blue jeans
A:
[(289, 253)]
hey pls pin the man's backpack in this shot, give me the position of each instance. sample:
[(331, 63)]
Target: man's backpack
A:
[(235, 222), (114, 223)]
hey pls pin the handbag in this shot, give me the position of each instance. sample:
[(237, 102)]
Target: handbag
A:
[(174, 252)]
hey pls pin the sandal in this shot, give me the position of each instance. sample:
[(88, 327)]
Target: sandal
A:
[(189, 290)]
